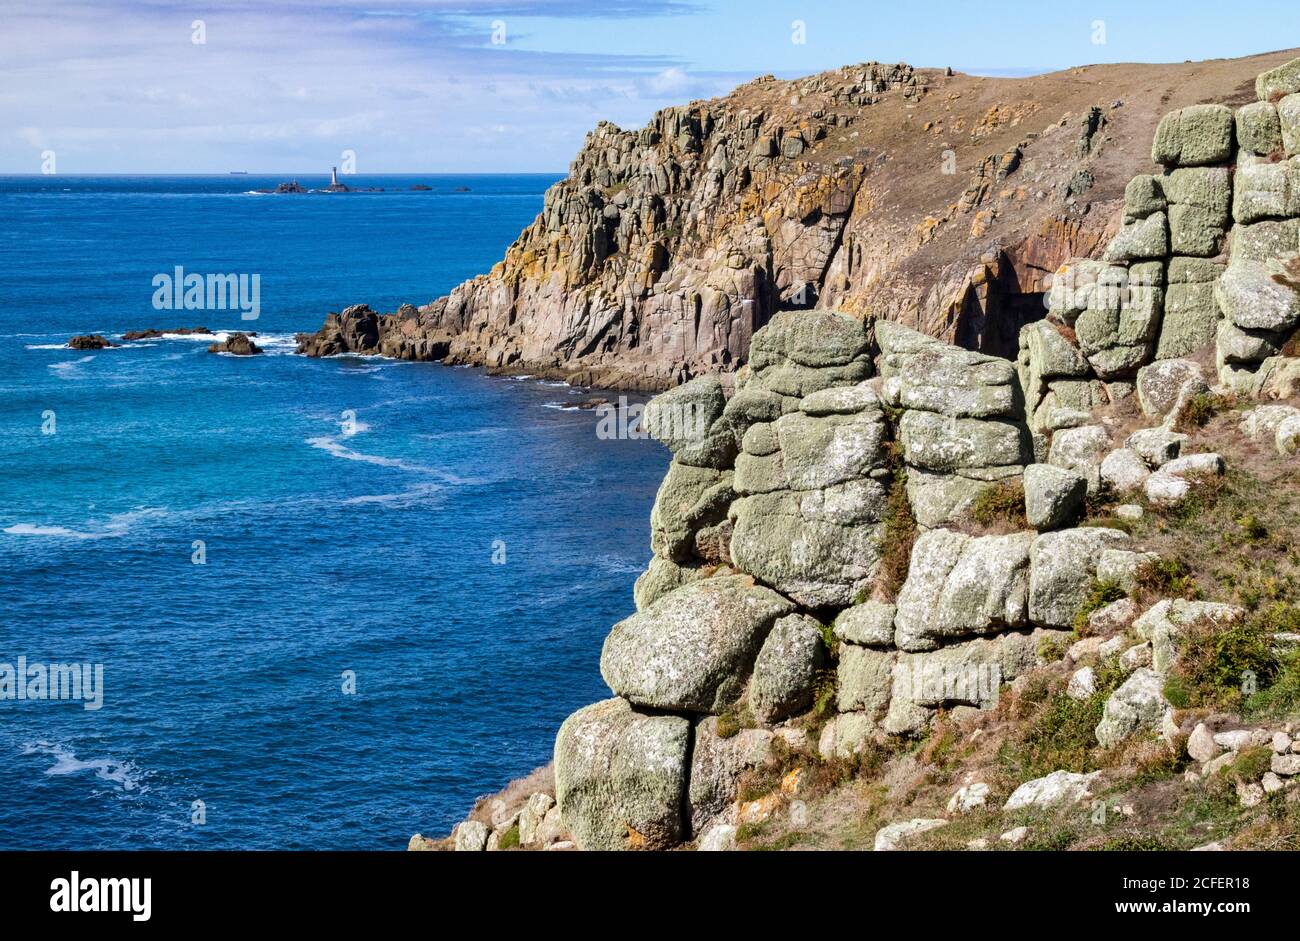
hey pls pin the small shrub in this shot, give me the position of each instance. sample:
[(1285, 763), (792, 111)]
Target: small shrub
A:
[(824, 696), (898, 536), (1252, 529), (1138, 844), (1197, 410), (1281, 698), (1251, 764), (1059, 736), (1101, 592), (510, 839), (728, 725), (1216, 660), (1001, 503), (1167, 577)]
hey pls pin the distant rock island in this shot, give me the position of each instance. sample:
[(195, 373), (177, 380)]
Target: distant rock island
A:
[(293, 187)]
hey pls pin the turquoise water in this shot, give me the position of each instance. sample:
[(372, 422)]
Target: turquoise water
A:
[(460, 543)]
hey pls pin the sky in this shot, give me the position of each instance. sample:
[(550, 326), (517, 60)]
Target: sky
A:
[(284, 86)]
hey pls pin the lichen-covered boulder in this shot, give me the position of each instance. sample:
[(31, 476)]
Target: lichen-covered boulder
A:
[(1263, 189), (820, 548), (955, 382), (1258, 295), (1143, 196), (1162, 385), (661, 577), (1081, 449), (693, 649), (689, 499), (865, 677), (1054, 496), (1194, 136), (1124, 471), (1141, 240), (620, 777), (962, 586), (785, 671), (1139, 705), (1262, 241), (683, 419), (820, 451), (1056, 789), (1288, 111), (1259, 131), (939, 443), (1200, 209), (717, 764), (1283, 80), (870, 624), (1062, 566), (1191, 310), (1156, 446)]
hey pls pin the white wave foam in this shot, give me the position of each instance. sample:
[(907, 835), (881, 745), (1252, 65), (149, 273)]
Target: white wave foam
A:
[(68, 368), (122, 773), (28, 529), (47, 346), (118, 524)]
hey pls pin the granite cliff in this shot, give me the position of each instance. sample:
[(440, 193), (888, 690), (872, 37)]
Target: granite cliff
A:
[(941, 201), (905, 588)]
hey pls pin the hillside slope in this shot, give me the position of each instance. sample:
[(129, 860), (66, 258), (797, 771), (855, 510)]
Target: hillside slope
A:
[(939, 201)]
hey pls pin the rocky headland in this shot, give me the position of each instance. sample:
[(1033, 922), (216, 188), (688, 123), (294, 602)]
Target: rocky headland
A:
[(931, 569), (940, 201)]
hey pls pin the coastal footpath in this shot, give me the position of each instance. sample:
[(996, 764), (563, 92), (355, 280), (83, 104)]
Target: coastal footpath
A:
[(907, 593)]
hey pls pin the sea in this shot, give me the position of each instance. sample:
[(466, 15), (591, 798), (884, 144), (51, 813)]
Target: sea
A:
[(329, 602)]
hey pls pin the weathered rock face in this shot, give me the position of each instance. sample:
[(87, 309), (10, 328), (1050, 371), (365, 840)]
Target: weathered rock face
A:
[(620, 776), (769, 526), (667, 247), (693, 649)]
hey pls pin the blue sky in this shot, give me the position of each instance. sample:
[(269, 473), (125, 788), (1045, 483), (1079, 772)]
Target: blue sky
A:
[(286, 86)]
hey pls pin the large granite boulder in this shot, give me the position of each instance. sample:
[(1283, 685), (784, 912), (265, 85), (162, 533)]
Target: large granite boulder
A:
[(865, 677), (938, 443), (1191, 310), (1054, 496), (961, 586), (1062, 566), (785, 671), (620, 777), (689, 500), (693, 649), (1259, 131), (1259, 296), (1139, 705), (684, 420), (1283, 80), (1194, 136), (717, 764)]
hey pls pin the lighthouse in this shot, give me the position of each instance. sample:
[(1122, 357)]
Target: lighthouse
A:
[(334, 176)]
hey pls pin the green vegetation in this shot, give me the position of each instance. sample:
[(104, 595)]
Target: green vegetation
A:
[(1219, 664), (1001, 503), (1101, 592), (510, 839), (1199, 409), (899, 532)]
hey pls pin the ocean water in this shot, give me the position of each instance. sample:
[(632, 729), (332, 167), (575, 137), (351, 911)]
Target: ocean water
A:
[(457, 543)]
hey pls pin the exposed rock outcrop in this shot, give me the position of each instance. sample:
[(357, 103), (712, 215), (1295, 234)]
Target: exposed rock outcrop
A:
[(941, 201)]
